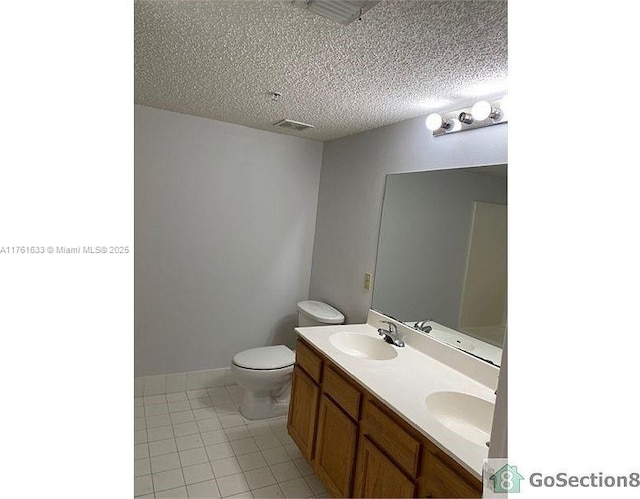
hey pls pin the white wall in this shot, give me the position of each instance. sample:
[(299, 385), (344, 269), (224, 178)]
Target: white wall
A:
[(224, 230), (351, 191)]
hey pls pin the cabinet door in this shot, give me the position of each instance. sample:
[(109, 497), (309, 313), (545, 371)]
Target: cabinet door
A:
[(377, 476), (335, 454), (443, 480), (303, 410)]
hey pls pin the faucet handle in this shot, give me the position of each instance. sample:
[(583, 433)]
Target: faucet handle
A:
[(392, 327)]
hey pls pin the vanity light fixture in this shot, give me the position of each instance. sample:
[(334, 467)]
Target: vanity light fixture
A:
[(481, 114)]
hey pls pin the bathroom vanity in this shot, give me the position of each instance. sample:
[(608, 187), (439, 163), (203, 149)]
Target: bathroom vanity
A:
[(375, 420)]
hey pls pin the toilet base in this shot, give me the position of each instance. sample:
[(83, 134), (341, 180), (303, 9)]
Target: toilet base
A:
[(265, 404)]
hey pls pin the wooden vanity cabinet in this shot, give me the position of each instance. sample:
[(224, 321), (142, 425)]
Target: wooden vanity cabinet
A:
[(358, 446), (305, 397)]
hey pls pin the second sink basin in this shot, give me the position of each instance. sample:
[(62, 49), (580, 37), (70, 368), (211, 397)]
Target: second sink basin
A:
[(362, 346), (468, 416)]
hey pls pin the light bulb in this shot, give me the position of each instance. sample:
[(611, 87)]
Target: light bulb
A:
[(481, 110), (433, 122)]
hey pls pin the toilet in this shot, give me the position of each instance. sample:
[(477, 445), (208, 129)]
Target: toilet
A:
[(264, 373)]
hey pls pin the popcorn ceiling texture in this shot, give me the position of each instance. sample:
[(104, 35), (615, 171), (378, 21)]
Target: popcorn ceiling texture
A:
[(220, 59)]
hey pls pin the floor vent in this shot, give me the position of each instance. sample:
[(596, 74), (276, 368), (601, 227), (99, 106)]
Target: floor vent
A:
[(292, 125)]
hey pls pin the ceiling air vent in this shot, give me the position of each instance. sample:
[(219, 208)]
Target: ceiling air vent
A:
[(292, 125), (341, 11)]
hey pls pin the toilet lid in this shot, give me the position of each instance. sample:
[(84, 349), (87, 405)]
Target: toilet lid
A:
[(321, 312), (275, 357)]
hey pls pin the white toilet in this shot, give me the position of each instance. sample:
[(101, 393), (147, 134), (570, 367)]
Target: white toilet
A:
[(265, 373)]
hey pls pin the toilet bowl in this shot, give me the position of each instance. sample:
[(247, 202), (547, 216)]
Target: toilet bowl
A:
[(264, 373)]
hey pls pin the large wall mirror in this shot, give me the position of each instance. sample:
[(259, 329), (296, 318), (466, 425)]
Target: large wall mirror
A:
[(442, 256)]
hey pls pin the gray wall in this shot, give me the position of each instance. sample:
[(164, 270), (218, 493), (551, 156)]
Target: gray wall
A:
[(351, 192), (224, 229)]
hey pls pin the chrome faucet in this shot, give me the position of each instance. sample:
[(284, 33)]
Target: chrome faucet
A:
[(391, 335)]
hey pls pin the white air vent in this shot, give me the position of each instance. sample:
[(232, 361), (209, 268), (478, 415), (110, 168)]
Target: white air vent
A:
[(341, 11), (292, 125)]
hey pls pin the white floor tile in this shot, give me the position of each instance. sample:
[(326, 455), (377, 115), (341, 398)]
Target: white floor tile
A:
[(179, 493), (315, 484), (227, 410), (293, 451), (214, 437), (160, 420), (196, 444), (197, 394), (142, 485), (197, 473), (182, 429), (205, 413), (154, 399), (140, 436), (276, 455), (303, 466), (232, 484), (181, 417), (209, 424), (251, 461), (219, 451), (262, 477), (193, 456), (270, 492), (259, 428), (268, 441), (179, 406), (225, 467), (296, 488), (285, 471), (155, 410), (238, 433), (142, 467), (165, 462), (245, 446), (177, 397), (231, 421), (242, 495), (159, 433), (189, 442), (140, 451), (162, 447), (203, 490), (166, 480)]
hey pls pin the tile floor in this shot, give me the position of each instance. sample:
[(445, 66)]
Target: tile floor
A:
[(196, 444)]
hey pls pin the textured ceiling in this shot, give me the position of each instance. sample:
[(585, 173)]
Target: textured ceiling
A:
[(220, 59)]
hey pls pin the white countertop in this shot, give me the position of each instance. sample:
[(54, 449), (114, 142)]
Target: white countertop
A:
[(405, 382)]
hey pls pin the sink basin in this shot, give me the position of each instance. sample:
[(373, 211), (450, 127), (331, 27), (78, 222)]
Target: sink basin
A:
[(468, 416), (362, 346)]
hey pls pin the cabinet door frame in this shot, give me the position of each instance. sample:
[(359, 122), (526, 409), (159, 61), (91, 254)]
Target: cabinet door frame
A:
[(303, 435), (348, 436), (368, 449)]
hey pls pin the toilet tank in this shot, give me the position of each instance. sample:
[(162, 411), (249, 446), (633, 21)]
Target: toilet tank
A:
[(316, 313)]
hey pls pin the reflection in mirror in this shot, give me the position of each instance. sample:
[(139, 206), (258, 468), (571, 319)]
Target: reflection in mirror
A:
[(442, 256)]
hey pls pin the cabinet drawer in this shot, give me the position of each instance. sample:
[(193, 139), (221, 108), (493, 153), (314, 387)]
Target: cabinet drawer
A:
[(398, 444), (308, 360), (341, 391), (444, 479)]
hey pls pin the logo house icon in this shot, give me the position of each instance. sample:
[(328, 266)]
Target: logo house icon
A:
[(506, 479)]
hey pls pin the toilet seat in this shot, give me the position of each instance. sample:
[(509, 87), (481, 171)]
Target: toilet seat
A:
[(265, 358)]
